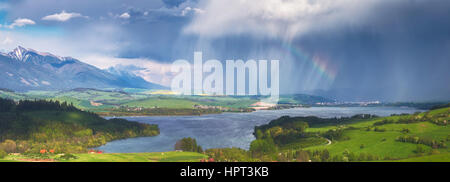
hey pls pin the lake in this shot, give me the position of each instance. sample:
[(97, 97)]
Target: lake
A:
[(226, 129)]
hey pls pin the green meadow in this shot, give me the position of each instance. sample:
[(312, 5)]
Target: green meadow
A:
[(162, 102), (384, 143), (140, 157), (171, 156)]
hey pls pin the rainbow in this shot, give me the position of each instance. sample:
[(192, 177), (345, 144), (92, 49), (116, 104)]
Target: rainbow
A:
[(319, 63)]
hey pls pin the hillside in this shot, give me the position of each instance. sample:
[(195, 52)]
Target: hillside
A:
[(31, 126), (416, 137)]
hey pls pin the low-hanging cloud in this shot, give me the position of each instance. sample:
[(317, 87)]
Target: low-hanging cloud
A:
[(125, 15), (20, 22), (63, 16)]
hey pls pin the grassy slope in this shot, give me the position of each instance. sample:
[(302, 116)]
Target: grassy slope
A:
[(171, 156), (141, 157), (383, 143)]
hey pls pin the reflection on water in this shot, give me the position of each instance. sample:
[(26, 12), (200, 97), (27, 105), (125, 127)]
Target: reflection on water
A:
[(227, 129)]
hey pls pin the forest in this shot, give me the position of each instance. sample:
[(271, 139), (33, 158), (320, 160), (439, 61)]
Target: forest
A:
[(34, 126)]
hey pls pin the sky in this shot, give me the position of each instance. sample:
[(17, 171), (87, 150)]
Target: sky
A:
[(389, 50)]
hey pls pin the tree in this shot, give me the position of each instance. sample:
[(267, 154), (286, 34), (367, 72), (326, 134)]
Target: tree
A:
[(261, 147), (188, 144), (275, 131), (6, 105), (259, 134), (325, 155), (300, 126)]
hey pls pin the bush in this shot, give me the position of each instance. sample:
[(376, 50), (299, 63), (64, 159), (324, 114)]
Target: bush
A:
[(405, 130), (419, 149), (3, 154), (379, 129), (228, 154), (334, 134), (67, 157), (302, 156), (383, 122), (420, 140), (9, 146)]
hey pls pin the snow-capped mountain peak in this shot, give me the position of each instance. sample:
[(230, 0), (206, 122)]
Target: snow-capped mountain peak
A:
[(20, 53)]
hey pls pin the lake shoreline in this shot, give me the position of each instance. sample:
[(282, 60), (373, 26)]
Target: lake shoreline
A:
[(256, 110), (225, 129), (131, 114)]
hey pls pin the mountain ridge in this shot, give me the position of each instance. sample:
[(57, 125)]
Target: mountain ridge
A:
[(25, 69)]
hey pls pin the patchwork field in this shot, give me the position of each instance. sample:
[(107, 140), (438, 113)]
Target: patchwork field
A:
[(83, 98)]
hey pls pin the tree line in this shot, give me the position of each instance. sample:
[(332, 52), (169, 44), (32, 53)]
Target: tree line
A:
[(8, 105)]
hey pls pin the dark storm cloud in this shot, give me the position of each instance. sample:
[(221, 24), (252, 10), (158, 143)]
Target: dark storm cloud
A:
[(402, 52), (392, 50)]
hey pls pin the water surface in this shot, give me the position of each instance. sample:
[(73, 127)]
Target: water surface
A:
[(226, 129)]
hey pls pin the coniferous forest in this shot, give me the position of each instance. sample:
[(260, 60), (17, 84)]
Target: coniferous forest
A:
[(29, 126)]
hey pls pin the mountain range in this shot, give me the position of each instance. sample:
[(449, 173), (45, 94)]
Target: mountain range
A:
[(27, 69)]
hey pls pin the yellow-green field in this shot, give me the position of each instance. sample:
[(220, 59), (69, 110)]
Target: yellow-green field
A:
[(172, 156), (162, 103)]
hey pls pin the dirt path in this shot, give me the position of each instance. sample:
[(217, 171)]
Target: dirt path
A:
[(329, 141)]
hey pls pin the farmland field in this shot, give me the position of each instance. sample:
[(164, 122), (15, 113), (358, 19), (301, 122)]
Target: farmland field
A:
[(172, 156)]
